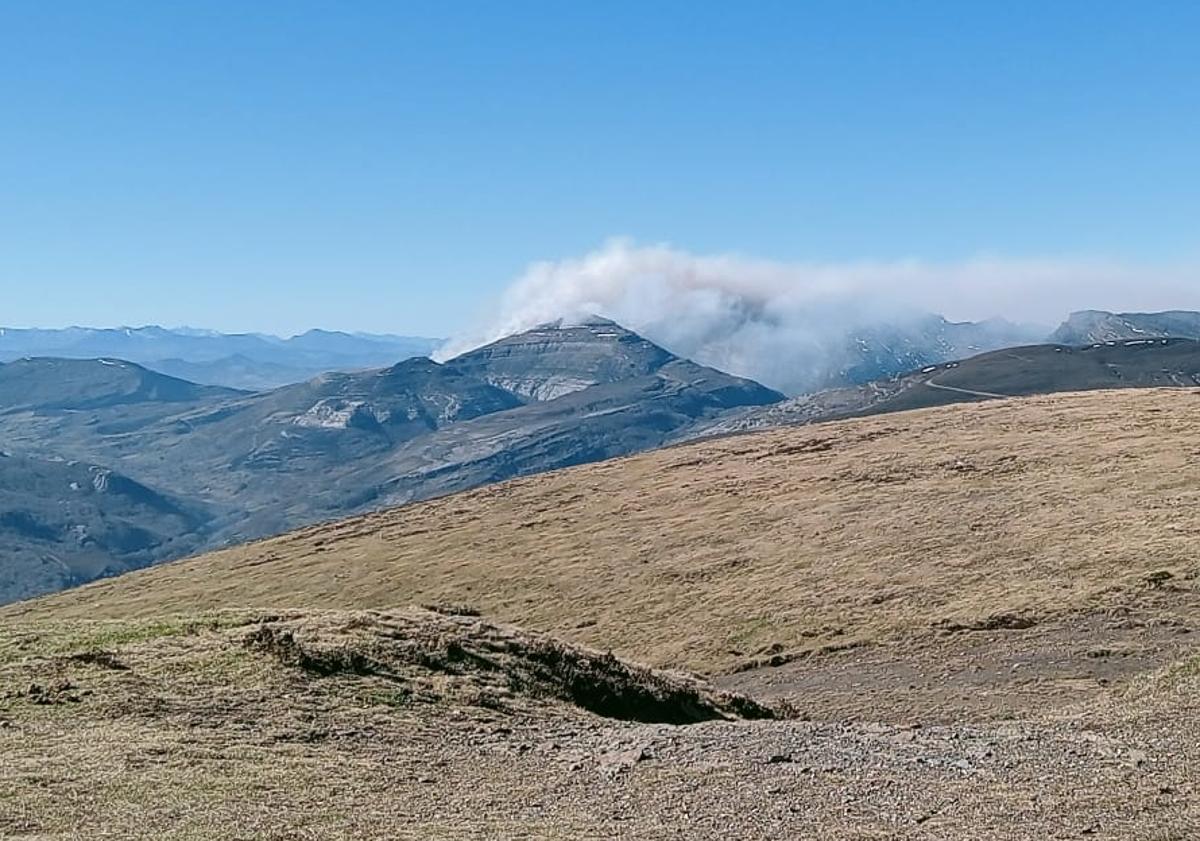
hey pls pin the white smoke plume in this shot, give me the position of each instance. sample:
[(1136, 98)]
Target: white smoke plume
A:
[(780, 322)]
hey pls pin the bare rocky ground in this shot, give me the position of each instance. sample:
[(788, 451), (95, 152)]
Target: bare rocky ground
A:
[(988, 673), (415, 724)]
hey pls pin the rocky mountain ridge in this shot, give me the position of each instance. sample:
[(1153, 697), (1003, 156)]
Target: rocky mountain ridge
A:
[(260, 463), (1011, 372), (1096, 326)]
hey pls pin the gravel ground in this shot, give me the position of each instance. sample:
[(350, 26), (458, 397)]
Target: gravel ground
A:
[(183, 733)]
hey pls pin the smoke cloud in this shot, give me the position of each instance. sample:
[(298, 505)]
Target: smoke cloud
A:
[(780, 322)]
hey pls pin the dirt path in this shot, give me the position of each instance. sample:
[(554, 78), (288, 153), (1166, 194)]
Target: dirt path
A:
[(973, 393)]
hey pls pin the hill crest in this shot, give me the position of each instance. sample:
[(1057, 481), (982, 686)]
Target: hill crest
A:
[(848, 533)]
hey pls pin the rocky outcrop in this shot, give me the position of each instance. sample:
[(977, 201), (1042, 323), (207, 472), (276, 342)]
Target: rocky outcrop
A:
[(555, 359), (1097, 326)]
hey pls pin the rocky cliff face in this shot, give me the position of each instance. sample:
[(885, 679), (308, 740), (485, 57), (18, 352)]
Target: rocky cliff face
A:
[(412, 397), (1096, 326)]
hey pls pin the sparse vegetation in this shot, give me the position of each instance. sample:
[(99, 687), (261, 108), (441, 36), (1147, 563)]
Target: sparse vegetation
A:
[(697, 557), (935, 652), (93, 639), (414, 724), (474, 659)]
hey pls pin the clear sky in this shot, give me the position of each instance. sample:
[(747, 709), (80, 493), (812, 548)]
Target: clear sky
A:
[(394, 165)]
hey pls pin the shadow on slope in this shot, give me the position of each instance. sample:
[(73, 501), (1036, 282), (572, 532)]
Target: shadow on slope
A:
[(64, 523)]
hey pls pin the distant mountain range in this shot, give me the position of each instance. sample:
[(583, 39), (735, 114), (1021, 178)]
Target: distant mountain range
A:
[(109, 466), (860, 354), (246, 465), (244, 360)]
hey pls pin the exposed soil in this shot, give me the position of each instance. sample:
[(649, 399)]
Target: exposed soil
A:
[(204, 730), (979, 675)]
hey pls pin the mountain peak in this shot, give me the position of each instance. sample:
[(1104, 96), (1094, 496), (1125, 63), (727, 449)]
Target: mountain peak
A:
[(413, 365), (561, 357), (589, 320)]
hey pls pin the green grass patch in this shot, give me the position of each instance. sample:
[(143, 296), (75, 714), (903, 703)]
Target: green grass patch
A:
[(395, 698), (60, 639), (751, 630), (1187, 670)]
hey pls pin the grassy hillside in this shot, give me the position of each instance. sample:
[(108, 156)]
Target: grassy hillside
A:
[(722, 555), (980, 618), (343, 443)]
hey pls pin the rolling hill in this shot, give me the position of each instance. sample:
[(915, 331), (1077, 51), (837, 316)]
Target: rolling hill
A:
[(1011, 372), (853, 532), (64, 523), (968, 621), (883, 350), (46, 384)]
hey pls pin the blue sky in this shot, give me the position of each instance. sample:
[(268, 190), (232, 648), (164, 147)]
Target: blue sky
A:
[(395, 165)]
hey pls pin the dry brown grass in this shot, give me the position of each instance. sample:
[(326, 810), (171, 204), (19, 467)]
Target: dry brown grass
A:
[(229, 724), (718, 553), (204, 728), (1025, 568)]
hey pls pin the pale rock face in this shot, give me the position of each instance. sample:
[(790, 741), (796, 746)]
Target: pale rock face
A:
[(552, 361), (1097, 326), (547, 389), (335, 413), (100, 480), (412, 396), (448, 412)]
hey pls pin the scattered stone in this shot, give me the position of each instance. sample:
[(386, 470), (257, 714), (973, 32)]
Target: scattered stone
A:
[(1159, 577)]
